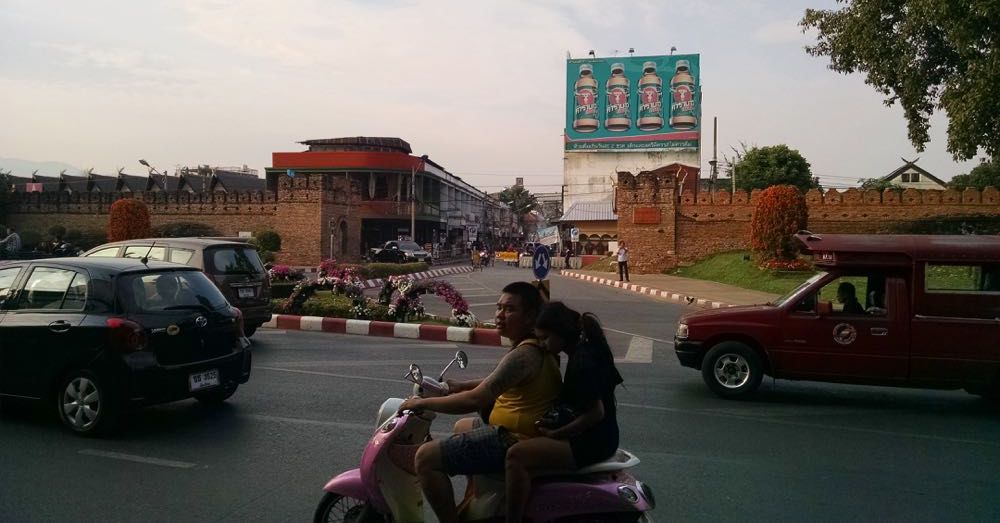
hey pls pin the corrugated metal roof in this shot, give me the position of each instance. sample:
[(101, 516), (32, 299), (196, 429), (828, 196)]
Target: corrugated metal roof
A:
[(589, 212)]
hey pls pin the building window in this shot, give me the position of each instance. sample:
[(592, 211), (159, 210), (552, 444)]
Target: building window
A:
[(906, 177), (915, 177)]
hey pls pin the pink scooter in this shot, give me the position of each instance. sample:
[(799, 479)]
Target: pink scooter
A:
[(385, 488)]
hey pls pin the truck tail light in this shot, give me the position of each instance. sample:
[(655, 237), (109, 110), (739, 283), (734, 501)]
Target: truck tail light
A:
[(127, 336)]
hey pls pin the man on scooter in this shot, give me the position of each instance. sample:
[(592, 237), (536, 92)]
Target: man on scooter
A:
[(523, 386)]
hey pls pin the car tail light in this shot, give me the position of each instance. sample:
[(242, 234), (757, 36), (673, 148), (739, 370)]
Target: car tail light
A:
[(239, 320), (126, 335)]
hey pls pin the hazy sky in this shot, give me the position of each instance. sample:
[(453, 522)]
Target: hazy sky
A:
[(476, 85)]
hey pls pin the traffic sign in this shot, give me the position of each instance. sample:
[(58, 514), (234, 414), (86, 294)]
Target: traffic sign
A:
[(541, 262)]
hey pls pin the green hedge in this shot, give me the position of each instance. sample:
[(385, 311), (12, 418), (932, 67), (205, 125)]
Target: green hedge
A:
[(324, 303), (282, 289)]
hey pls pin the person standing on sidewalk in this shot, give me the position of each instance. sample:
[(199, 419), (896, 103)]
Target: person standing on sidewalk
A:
[(622, 261)]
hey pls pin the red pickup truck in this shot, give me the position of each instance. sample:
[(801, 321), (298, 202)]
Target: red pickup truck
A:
[(907, 311)]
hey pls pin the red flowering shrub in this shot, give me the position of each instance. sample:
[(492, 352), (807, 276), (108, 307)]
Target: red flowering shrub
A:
[(779, 213), (129, 219)]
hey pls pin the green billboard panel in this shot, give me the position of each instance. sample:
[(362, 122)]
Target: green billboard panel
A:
[(639, 103)]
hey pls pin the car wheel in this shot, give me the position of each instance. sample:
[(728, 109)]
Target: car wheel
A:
[(217, 395), (732, 370), (86, 404), (337, 508)]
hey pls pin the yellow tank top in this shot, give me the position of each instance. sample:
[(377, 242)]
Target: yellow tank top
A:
[(521, 406)]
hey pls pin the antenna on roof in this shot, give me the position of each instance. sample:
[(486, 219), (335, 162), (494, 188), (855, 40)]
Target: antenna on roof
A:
[(145, 259)]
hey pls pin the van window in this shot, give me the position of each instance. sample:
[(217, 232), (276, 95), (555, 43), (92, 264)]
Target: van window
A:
[(138, 251), (234, 260), (110, 252), (181, 255), (862, 294), (962, 278)]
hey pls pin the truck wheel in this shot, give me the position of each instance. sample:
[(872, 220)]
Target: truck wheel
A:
[(732, 370)]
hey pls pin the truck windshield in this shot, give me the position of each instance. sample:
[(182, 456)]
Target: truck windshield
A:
[(784, 299)]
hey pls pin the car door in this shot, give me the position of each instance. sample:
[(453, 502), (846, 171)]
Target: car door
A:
[(39, 327), (9, 280), (824, 337)]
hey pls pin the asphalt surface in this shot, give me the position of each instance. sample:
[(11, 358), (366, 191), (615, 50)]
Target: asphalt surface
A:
[(799, 452)]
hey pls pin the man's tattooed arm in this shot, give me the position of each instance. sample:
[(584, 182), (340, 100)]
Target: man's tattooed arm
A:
[(517, 366)]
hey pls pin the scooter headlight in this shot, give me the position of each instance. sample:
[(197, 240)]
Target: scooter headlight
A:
[(628, 494)]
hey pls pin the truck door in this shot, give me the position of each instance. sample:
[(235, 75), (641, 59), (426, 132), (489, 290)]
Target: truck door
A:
[(852, 328)]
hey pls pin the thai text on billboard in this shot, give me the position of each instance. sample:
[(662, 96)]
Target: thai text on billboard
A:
[(640, 103)]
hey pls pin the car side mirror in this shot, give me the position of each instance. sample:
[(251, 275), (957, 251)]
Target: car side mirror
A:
[(824, 308)]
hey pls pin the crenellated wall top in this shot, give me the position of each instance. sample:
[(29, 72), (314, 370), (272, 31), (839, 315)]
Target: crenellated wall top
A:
[(855, 196)]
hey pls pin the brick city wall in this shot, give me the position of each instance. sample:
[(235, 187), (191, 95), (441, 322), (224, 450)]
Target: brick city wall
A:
[(716, 222)]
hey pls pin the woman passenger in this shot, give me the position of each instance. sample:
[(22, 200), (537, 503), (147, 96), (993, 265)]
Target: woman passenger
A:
[(588, 388)]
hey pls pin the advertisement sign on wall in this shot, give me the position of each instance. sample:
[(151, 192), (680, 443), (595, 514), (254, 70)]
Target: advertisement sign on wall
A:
[(641, 103)]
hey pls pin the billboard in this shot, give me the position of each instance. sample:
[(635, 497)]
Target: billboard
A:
[(640, 103)]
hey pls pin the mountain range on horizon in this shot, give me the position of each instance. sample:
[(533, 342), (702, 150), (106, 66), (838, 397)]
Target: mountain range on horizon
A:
[(24, 168)]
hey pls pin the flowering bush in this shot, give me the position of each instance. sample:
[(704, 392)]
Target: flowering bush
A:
[(797, 264), (407, 301), (779, 213), (330, 268), (280, 273), (127, 220)]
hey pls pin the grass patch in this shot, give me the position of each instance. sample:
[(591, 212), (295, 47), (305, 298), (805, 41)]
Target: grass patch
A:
[(605, 264), (731, 268)]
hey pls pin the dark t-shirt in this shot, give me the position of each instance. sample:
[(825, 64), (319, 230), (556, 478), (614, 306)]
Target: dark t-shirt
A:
[(590, 376)]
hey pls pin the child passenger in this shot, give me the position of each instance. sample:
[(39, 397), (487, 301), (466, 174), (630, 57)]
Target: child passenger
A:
[(588, 389)]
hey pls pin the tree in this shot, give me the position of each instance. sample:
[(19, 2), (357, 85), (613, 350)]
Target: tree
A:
[(519, 200), (128, 219), (986, 174), (6, 194), (762, 167), (778, 214), (876, 183), (928, 55), (268, 240)]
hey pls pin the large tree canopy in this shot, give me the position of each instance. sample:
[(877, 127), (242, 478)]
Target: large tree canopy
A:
[(762, 167), (927, 55), (986, 174), (519, 199)]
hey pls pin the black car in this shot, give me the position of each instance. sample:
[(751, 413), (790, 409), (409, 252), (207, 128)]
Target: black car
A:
[(92, 336), (404, 251)]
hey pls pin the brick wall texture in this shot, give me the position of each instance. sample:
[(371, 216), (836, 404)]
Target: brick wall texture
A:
[(694, 226)]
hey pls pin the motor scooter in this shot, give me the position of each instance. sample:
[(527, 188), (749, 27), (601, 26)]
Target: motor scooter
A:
[(385, 488)]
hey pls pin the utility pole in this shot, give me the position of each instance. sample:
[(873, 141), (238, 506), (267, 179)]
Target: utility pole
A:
[(715, 149), (413, 208)]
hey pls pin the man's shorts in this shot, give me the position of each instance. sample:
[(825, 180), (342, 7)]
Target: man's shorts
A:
[(482, 450)]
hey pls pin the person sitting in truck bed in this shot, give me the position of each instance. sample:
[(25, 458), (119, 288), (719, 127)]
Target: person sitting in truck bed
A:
[(847, 295)]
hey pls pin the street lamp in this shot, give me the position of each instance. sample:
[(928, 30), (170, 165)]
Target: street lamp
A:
[(152, 170)]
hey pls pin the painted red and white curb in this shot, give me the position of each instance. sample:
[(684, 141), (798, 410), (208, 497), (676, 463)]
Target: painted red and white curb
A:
[(388, 329), (378, 282), (673, 296)]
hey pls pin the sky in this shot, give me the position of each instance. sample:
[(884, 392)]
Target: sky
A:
[(476, 85)]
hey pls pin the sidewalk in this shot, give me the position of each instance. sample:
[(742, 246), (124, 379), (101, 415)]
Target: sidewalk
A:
[(684, 290)]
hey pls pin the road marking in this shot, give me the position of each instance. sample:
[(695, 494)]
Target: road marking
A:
[(330, 374), (138, 459), (669, 342), (640, 350), (483, 304), (823, 426), (478, 295)]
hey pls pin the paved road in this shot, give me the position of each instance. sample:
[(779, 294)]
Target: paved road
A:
[(801, 452)]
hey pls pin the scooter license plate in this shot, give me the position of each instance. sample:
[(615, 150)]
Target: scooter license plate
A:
[(203, 380)]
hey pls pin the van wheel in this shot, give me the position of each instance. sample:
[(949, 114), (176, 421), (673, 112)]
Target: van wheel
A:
[(86, 404), (732, 370)]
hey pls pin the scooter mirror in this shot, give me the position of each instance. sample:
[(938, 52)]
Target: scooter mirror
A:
[(463, 360), (415, 374)]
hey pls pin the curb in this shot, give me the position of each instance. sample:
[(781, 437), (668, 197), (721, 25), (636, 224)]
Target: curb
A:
[(378, 282), (673, 296), (388, 329)]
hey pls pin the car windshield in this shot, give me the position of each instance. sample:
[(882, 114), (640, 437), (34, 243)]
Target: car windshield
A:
[(784, 299), (234, 260), (409, 246), (169, 290)]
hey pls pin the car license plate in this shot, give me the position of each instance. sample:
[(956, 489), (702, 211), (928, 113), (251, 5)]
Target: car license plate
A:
[(203, 380), (246, 292)]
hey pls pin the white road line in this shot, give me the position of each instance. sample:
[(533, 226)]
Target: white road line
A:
[(139, 459), (640, 350), (478, 295), (823, 426), (669, 342), (483, 304), (329, 374)]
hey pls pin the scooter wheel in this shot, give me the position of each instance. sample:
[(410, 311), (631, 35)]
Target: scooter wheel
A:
[(334, 508)]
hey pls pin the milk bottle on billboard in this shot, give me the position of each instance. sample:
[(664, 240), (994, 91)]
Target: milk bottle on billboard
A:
[(585, 119), (650, 99), (617, 114), (682, 109)]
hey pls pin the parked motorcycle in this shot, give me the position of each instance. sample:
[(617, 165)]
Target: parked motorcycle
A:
[(385, 488)]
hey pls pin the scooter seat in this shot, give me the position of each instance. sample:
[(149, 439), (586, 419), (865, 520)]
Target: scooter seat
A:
[(621, 460)]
